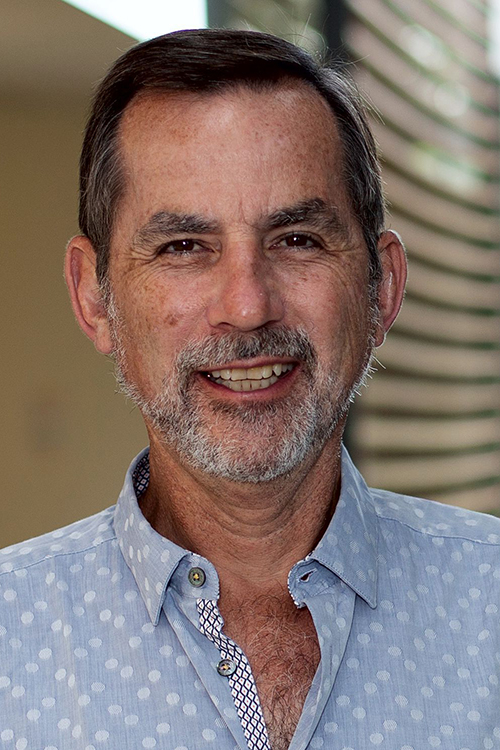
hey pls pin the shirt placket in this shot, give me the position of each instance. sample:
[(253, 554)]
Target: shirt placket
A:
[(330, 602), (235, 666)]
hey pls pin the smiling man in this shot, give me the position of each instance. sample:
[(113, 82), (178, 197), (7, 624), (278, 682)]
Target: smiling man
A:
[(248, 590)]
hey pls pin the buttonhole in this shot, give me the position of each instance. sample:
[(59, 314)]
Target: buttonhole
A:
[(306, 576)]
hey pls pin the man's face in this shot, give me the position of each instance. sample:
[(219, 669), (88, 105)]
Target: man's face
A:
[(240, 309)]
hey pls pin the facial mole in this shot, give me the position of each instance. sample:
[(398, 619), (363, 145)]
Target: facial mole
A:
[(171, 320)]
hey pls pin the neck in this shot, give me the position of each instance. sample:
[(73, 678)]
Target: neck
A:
[(252, 533)]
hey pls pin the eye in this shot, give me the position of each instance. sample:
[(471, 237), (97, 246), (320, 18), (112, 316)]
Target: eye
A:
[(298, 240), (180, 247)]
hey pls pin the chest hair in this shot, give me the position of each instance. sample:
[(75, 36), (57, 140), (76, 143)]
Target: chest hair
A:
[(281, 644)]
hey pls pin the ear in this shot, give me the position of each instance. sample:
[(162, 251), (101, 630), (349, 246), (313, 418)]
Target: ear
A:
[(86, 298), (392, 286)]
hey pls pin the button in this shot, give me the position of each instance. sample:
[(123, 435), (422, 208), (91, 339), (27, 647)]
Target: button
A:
[(196, 577), (226, 667)]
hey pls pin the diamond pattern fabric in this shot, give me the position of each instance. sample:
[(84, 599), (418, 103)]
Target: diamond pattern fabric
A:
[(243, 688)]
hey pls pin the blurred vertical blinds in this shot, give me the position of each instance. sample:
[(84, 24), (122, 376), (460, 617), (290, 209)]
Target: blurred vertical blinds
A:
[(429, 424)]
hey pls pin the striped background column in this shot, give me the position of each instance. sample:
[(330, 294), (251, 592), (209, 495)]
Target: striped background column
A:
[(429, 424)]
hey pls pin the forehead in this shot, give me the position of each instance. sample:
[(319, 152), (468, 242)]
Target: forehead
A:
[(256, 148), (261, 100)]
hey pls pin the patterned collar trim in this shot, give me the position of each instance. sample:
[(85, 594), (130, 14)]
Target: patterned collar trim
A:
[(348, 547)]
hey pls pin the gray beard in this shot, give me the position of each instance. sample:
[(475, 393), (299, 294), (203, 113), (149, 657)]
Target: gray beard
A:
[(277, 436)]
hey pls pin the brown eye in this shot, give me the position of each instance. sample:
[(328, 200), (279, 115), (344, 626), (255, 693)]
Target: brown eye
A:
[(180, 247), (298, 240)]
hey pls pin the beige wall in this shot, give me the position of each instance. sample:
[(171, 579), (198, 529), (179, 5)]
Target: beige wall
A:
[(66, 437)]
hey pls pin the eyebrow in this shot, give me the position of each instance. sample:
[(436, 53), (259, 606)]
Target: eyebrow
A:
[(166, 224), (316, 212)]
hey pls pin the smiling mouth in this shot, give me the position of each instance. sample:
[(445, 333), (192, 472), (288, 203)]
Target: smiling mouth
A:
[(251, 379)]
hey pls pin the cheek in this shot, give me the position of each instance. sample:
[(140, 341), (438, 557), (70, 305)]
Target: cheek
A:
[(337, 315), (160, 319)]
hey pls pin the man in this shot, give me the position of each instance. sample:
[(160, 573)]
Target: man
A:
[(248, 590)]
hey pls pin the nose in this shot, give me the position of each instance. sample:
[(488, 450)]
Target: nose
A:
[(246, 293)]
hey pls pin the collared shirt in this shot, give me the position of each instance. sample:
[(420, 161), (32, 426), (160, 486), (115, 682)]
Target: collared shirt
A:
[(110, 636)]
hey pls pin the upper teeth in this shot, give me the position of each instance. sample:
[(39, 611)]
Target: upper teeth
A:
[(252, 373)]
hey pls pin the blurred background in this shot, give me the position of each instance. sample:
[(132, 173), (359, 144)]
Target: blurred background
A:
[(429, 424)]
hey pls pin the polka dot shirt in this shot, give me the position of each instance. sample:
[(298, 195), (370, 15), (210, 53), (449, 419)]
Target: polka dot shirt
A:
[(110, 635)]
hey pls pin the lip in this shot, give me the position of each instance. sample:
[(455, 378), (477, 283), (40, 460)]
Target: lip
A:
[(280, 388)]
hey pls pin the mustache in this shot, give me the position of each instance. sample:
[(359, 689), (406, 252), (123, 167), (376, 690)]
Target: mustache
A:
[(217, 350)]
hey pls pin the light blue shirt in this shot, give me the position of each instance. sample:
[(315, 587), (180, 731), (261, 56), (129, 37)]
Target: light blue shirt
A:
[(104, 641)]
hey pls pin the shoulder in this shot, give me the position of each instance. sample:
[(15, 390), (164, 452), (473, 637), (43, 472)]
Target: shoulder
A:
[(434, 520), (79, 537)]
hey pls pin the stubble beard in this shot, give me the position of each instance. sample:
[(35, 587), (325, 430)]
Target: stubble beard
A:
[(248, 443)]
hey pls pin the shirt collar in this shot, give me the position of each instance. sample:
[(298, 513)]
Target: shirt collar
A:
[(348, 547), (151, 557)]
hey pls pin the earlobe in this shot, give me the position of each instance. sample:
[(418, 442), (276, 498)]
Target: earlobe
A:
[(86, 297), (392, 286)]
